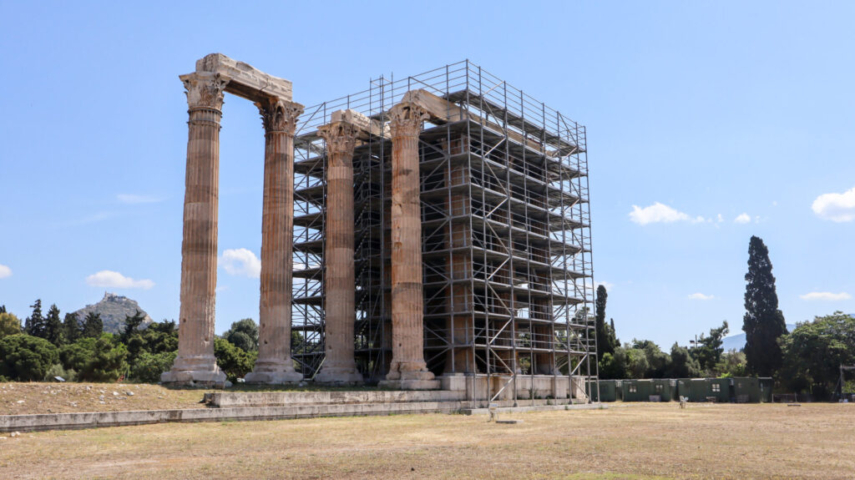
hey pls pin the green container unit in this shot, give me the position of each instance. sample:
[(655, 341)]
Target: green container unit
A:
[(746, 389), (766, 384), (663, 388), (718, 389), (619, 390), (637, 390), (695, 389), (607, 391), (675, 397)]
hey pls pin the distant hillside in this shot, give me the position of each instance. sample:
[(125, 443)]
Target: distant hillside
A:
[(737, 342), (113, 309)]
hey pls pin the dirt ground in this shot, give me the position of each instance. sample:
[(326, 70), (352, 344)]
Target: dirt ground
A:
[(638, 441), (40, 397)]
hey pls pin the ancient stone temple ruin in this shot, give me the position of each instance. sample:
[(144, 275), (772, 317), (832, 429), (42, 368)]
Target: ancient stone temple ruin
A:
[(430, 232)]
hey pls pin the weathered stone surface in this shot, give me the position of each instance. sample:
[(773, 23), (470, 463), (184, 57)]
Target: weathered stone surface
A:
[(274, 364), (244, 80), (339, 365), (365, 125), (408, 369), (195, 363)]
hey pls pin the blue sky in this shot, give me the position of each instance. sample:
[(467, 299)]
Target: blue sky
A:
[(708, 122)]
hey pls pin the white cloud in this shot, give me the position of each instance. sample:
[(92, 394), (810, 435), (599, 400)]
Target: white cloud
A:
[(825, 296), (137, 199), (660, 213), (5, 271), (719, 218), (743, 219), (837, 207), (700, 296), (241, 262), (111, 279)]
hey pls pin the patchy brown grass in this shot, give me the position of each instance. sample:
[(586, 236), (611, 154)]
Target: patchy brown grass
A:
[(639, 441), (39, 397)]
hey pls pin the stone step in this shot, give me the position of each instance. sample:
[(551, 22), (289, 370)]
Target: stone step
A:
[(258, 399)]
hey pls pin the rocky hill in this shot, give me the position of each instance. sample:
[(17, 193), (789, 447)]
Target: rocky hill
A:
[(113, 309)]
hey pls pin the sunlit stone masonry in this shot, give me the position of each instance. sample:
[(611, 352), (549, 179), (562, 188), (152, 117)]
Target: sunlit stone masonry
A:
[(430, 232)]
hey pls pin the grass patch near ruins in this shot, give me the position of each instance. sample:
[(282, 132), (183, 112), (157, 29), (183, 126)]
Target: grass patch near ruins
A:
[(640, 441), (42, 397)]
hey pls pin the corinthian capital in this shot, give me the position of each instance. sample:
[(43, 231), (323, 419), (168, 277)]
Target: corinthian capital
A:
[(279, 115), (204, 90), (406, 119), (339, 136)]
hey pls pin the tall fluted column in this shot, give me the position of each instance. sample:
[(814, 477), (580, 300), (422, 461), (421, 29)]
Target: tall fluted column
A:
[(408, 369), (274, 364), (340, 309), (195, 363)]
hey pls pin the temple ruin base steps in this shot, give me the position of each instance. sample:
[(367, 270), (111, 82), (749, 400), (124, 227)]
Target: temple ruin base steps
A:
[(240, 406)]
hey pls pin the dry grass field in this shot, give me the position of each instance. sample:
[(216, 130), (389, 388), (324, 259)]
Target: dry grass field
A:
[(639, 441)]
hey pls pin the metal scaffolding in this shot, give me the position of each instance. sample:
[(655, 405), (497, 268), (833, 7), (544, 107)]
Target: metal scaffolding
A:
[(506, 231)]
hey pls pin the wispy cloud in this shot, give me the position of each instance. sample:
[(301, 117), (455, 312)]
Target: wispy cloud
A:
[(837, 207), (700, 296), (5, 272), (111, 279), (742, 219), (660, 213), (825, 296), (241, 262), (133, 199)]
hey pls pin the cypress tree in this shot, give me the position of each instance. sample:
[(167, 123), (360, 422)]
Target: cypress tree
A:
[(35, 324), (53, 326), (71, 329), (603, 344), (93, 326), (2, 308), (763, 323)]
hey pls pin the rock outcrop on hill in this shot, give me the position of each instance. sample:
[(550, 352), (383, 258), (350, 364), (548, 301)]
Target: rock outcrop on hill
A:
[(113, 309)]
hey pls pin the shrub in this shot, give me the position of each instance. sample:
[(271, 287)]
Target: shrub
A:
[(233, 361), (57, 371), (26, 358), (148, 366)]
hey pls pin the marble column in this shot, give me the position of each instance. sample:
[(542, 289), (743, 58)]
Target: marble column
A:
[(408, 369), (274, 364), (195, 363), (339, 276)]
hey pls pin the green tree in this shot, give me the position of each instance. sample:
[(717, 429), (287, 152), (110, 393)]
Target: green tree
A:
[(233, 361), (75, 356), (657, 360), (2, 308), (53, 326), (107, 362), (732, 364), (682, 364), (71, 329), (26, 358), (156, 339), (710, 348), (815, 350), (604, 344), (613, 365), (132, 324), (35, 324), (93, 326), (149, 366), (9, 324), (763, 322), (243, 334)]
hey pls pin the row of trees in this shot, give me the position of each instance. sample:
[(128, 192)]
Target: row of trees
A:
[(806, 360), (45, 347)]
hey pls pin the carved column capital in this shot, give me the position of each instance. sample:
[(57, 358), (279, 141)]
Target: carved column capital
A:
[(406, 119), (279, 115), (340, 137), (205, 90)]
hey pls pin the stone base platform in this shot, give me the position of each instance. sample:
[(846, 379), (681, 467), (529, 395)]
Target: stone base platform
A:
[(245, 406)]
